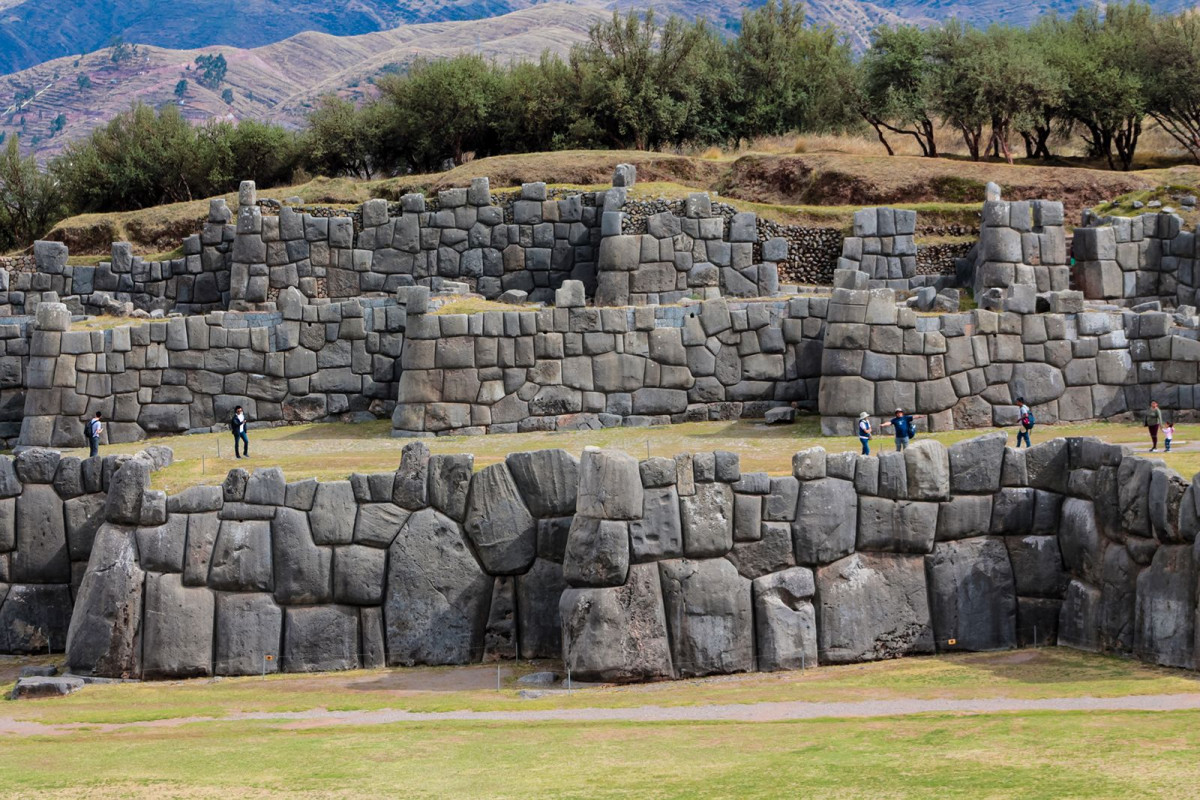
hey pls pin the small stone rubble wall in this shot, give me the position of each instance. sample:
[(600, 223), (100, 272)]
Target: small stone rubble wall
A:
[(582, 367), (633, 570), (50, 510), (882, 245), (1134, 260), (966, 370), (300, 364), (691, 250)]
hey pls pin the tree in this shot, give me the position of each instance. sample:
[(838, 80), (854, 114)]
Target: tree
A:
[(83, 82), (791, 77), (1017, 84), (181, 88), (212, 70), (227, 96), (336, 139), (1107, 65), (58, 123), (638, 81), (121, 52), (955, 83), (30, 199), (441, 109), (1173, 99), (896, 86), (534, 107)]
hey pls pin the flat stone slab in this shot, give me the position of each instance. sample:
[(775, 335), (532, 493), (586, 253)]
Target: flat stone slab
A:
[(29, 688)]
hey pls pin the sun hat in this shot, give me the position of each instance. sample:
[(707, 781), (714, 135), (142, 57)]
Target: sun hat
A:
[(863, 415)]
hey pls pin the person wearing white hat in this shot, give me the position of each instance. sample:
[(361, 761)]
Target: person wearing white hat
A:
[(864, 432)]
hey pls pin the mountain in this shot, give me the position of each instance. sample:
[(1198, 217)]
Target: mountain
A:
[(35, 31), (277, 83)]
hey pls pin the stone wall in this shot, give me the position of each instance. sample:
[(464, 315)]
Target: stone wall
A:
[(966, 370), (583, 367), (302, 363), (1021, 243), (50, 510), (633, 570), (1132, 260)]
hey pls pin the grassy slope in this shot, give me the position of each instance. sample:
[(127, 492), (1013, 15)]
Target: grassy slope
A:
[(1047, 754), (808, 189), (331, 451)]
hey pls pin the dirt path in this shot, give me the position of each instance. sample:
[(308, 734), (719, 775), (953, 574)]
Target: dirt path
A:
[(751, 712)]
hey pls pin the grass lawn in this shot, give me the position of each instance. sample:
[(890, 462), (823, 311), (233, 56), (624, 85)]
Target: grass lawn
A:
[(331, 451), (1034, 754)]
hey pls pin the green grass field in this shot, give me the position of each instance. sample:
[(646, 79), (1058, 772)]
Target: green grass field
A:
[(332, 451), (193, 752)]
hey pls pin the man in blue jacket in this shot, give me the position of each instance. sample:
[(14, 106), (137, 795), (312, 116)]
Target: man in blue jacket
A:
[(902, 425)]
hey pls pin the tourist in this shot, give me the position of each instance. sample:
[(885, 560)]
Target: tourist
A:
[(1153, 421), (238, 426), (1168, 432), (95, 428), (1026, 420), (864, 432), (902, 425)]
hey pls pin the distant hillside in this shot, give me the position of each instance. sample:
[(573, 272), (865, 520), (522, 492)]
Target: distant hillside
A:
[(276, 83), (36, 31)]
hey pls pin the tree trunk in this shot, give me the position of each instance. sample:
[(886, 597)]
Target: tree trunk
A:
[(882, 140)]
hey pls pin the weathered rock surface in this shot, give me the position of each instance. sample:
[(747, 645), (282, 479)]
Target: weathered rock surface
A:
[(872, 606), (972, 595), (785, 620), (709, 615), (178, 640), (498, 522), (105, 637)]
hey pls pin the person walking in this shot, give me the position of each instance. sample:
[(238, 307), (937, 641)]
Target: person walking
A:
[(864, 432), (1153, 422), (95, 428), (902, 426), (238, 426), (1026, 421), (1168, 432)]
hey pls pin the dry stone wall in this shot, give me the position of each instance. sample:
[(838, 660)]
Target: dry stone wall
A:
[(636, 570), (583, 367), (50, 510), (302, 363), (1133, 260), (966, 370)]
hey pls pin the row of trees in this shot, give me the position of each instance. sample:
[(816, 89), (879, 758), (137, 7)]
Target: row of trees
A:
[(641, 82)]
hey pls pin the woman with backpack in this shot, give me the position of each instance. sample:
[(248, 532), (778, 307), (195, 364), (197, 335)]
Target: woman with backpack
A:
[(1025, 417)]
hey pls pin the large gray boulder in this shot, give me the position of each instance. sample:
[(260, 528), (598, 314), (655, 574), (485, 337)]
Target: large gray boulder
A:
[(1164, 627), (710, 617), (378, 523), (498, 522), (707, 519), (964, 515), (771, 553), (359, 573), (659, 532), (125, 489), (249, 632), (320, 639), (538, 625), (975, 464), (333, 513), (41, 555), (972, 595), (610, 485), (34, 618), (410, 488), (302, 569), (872, 606), (178, 640), (784, 619), (826, 523), (437, 595), (1037, 566), (927, 467), (1080, 540), (597, 552), (449, 480), (105, 637), (548, 481), (896, 526), (1118, 586), (241, 560), (161, 548), (617, 634), (1079, 619), (197, 555)]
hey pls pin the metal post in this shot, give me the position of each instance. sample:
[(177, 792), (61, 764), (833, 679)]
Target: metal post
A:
[(1035, 641), (802, 667), (568, 679), (497, 677), (202, 464)]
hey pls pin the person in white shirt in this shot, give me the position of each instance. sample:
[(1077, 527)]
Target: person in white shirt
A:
[(864, 432), (238, 426)]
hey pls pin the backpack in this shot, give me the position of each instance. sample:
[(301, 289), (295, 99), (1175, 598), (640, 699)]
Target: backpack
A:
[(911, 425), (1029, 420), (87, 430)]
